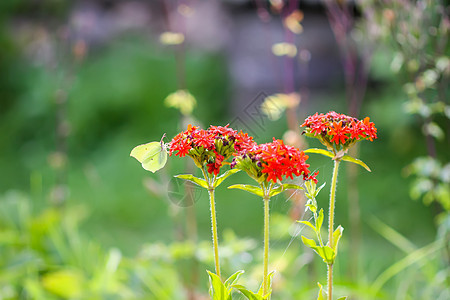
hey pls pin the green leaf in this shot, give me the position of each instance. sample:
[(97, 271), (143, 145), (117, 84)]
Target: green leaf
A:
[(356, 161), (312, 207), (308, 223), (64, 283), (152, 156), (276, 191), (269, 284), (283, 187), (309, 242), (247, 293), (311, 204), (327, 254), (249, 188), (218, 291), (233, 278), (320, 151), (311, 189), (320, 188), (289, 186), (434, 130), (199, 181), (319, 220), (321, 295), (337, 234), (342, 298), (224, 176)]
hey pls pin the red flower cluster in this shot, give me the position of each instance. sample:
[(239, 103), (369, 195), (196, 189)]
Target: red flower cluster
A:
[(339, 129), (272, 161), (212, 146), (282, 160)]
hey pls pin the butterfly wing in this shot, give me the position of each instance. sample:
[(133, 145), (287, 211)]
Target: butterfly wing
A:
[(152, 156)]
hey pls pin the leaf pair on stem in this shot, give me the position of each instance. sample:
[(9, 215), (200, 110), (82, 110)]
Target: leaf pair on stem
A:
[(222, 290), (329, 251), (326, 252)]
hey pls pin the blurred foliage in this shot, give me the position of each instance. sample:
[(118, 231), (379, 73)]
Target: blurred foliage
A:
[(44, 256), (432, 181), (417, 34), (414, 35), (181, 100)]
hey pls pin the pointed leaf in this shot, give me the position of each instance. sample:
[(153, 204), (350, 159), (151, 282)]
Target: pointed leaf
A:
[(308, 223), (321, 295), (224, 176), (319, 220), (336, 237), (320, 151), (342, 298), (199, 181), (327, 254), (247, 293), (312, 207), (276, 191), (310, 186), (233, 278), (249, 188), (309, 242), (289, 186), (218, 290), (320, 188), (152, 156), (356, 161), (283, 187), (269, 284)]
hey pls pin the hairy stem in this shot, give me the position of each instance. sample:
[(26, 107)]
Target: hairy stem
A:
[(214, 230), (211, 181), (330, 281), (331, 224), (266, 246)]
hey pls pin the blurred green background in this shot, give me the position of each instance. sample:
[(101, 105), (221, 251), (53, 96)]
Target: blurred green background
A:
[(83, 82)]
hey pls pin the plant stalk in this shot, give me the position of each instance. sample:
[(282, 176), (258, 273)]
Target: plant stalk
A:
[(266, 245), (331, 224), (214, 231)]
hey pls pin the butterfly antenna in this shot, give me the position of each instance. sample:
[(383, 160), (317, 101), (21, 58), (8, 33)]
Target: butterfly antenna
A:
[(164, 135), (163, 145)]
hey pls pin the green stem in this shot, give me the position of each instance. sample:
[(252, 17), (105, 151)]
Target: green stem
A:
[(214, 230), (330, 281), (331, 224), (212, 206), (266, 245)]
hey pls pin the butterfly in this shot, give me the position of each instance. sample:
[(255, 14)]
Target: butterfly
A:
[(152, 156)]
